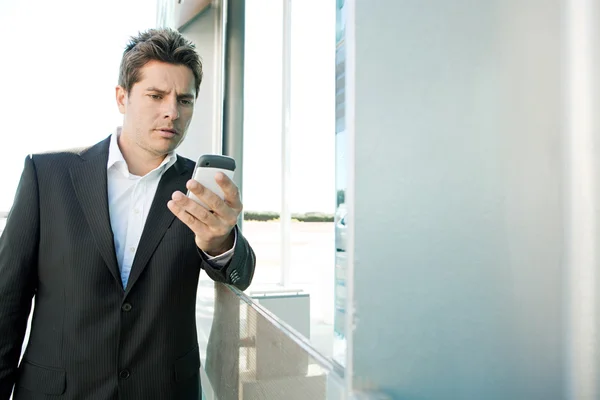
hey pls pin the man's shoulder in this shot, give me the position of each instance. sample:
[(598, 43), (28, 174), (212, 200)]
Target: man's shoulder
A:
[(66, 156), (59, 154), (57, 159)]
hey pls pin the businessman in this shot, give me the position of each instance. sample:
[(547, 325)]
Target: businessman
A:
[(110, 249)]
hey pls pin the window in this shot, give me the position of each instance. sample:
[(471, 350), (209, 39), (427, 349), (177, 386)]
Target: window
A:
[(307, 162)]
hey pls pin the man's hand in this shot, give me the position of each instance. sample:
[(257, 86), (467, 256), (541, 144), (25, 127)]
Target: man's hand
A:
[(214, 228)]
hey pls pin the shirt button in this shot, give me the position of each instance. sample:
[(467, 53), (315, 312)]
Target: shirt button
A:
[(124, 374), (132, 249), (136, 211), (126, 307)]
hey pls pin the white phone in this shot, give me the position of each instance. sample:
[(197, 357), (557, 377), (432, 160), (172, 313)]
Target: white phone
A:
[(207, 167)]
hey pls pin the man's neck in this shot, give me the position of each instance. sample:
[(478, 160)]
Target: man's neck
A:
[(139, 161)]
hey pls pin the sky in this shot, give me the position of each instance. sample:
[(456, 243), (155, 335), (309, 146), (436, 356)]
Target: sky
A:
[(60, 66), (58, 83)]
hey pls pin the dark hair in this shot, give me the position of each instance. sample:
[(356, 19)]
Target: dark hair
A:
[(164, 44)]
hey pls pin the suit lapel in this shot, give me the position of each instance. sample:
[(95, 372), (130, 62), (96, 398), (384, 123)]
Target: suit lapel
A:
[(90, 183), (159, 218)]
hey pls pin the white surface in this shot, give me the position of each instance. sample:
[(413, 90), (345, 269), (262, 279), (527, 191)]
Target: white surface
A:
[(293, 309), (206, 176)]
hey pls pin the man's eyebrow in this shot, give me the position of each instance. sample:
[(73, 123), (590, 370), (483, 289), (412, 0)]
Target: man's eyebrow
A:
[(163, 92), (157, 90)]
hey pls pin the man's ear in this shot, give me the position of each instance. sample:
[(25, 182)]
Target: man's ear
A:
[(121, 96)]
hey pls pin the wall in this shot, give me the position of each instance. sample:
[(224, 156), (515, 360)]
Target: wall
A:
[(461, 213), (204, 134)]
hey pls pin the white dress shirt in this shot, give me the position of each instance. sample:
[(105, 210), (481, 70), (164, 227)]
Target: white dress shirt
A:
[(129, 200)]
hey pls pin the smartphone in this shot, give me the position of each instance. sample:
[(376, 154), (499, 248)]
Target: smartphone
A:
[(207, 167)]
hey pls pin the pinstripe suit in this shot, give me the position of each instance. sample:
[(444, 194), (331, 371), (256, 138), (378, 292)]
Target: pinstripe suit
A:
[(91, 338)]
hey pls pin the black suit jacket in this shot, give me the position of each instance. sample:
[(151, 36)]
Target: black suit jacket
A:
[(90, 337)]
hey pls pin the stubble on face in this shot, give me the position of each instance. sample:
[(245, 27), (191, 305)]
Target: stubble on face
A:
[(159, 109)]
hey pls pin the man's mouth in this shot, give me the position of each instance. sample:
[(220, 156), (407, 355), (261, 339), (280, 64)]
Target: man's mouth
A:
[(168, 130)]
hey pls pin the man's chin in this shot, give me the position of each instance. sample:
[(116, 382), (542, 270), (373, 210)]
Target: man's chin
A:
[(166, 147)]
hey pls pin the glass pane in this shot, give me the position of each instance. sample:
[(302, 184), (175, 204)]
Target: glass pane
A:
[(341, 183), (246, 354), (262, 137), (306, 303), (313, 165)]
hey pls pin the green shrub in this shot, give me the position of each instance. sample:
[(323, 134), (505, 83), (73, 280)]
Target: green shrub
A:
[(273, 216), (313, 217), (260, 216)]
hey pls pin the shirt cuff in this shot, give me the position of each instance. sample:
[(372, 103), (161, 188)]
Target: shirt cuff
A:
[(224, 258)]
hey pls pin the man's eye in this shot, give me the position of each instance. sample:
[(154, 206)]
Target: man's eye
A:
[(155, 96), (186, 102)]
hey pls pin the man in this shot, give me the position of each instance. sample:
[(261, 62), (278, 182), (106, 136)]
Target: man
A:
[(111, 248)]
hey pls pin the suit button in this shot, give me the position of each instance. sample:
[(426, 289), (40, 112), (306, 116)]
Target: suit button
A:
[(124, 374), (126, 307)]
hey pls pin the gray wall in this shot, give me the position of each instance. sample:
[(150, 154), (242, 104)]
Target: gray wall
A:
[(460, 185)]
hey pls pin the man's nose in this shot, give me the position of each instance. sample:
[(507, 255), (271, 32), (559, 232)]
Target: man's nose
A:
[(171, 109)]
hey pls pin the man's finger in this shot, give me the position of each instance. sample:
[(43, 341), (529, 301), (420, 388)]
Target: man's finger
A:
[(188, 211), (193, 223), (230, 191), (207, 196), (214, 202)]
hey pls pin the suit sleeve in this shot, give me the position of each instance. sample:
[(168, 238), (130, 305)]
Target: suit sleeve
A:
[(18, 276), (239, 271)]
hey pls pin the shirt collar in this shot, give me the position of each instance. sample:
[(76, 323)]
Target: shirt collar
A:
[(114, 152), (115, 157)]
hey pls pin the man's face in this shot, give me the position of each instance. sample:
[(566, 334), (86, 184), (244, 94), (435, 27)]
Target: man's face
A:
[(158, 109)]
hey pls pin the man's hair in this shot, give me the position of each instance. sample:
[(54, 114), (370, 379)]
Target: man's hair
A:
[(164, 44)]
